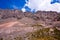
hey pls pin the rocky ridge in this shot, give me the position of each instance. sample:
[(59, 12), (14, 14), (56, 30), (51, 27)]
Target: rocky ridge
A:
[(16, 22)]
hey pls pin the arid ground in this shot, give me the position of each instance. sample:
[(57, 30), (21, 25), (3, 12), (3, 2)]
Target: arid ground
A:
[(18, 25)]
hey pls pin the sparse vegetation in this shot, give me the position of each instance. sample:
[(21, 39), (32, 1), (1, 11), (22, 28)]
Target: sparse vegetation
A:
[(37, 25), (42, 19), (1, 38), (18, 38), (57, 34), (44, 34)]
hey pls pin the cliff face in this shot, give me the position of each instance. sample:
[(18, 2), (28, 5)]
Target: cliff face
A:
[(16, 22), (46, 17), (19, 14)]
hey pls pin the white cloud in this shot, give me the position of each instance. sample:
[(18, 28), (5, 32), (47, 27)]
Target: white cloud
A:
[(23, 9), (43, 5)]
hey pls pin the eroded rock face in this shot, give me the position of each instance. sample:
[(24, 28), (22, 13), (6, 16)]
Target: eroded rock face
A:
[(15, 22), (46, 18)]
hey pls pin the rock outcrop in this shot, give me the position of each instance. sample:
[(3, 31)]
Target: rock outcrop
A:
[(16, 22)]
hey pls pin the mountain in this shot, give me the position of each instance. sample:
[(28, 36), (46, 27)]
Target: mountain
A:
[(15, 22)]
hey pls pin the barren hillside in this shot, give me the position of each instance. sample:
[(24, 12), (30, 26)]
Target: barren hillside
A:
[(14, 23)]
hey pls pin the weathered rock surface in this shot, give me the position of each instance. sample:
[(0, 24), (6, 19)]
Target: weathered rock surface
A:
[(15, 22)]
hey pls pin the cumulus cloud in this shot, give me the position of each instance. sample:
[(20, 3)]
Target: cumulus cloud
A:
[(43, 5)]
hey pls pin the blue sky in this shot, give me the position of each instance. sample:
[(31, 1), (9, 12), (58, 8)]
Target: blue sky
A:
[(11, 3), (31, 5)]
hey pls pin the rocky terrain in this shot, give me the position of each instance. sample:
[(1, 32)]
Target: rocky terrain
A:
[(18, 25)]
